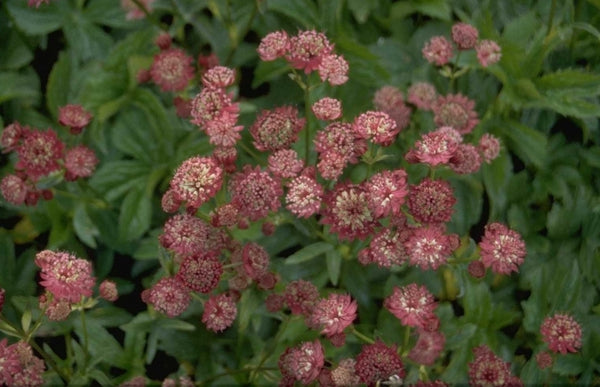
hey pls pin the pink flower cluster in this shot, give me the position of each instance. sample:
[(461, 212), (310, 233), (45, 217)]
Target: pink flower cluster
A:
[(487, 369), (42, 154), (439, 49), (308, 51), (562, 333), (18, 365)]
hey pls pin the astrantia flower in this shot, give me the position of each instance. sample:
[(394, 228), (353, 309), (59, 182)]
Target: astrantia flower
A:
[(429, 247), (65, 276), (327, 109), (465, 160), (274, 45), (434, 148), (169, 296), (386, 249), (438, 50), (183, 107), (163, 40), (219, 312), (456, 111), (301, 296), (344, 375), (80, 161), (172, 69), (255, 259), (303, 362), (197, 180), (378, 362), (276, 129), (225, 216), (464, 35), (55, 310), (387, 190), (307, 49), (37, 3), (333, 314), (285, 163), (75, 117), (487, 369), (339, 138), (390, 100), (218, 77), (488, 52), (213, 104), (428, 347), (201, 272), (187, 235), (304, 196), (11, 136), (334, 69), (224, 132), (347, 212), (108, 290), (544, 360), (431, 201), (489, 147), (422, 95), (9, 363), (255, 192), (14, 189), (562, 333), (18, 365), (39, 153), (412, 304), (376, 126), (502, 249), (170, 202)]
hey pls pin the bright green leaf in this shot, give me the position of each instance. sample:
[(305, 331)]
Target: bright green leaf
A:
[(309, 252), (334, 264), (136, 213)]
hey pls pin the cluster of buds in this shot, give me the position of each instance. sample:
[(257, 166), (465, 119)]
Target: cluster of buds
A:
[(42, 158), (439, 50)]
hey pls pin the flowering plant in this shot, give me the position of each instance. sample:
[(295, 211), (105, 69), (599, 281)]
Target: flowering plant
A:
[(299, 192)]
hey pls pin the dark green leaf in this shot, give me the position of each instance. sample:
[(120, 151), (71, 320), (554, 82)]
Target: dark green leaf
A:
[(57, 91), (84, 228), (496, 177), (87, 40), (16, 53), (136, 213), (334, 264), (115, 178), (19, 85), (309, 252), (529, 144), (303, 11), (101, 344), (38, 21), (439, 9)]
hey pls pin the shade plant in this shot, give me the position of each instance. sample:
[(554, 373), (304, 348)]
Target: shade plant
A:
[(299, 192)]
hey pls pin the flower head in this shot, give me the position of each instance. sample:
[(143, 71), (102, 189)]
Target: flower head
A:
[(301, 296), (387, 190), (390, 100), (304, 196), (255, 192), (429, 248), (502, 249), (218, 77), (348, 213), (464, 35), (334, 69), (422, 95), (172, 69), (213, 105), (197, 180), (108, 290), (219, 312), (327, 109), (562, 333), (186, 235), (200, 273), (274, 45), (307, 49), (544, 360), (488, 52), (303, 362), (411, 304), (489, 147), (11, 136), (285, 163), (14, 189), (18, 365), (80, 161), (39, 153), (487, 369), (438, 51), (276, 129), (386, 248), (333, 314), (224, 132), (169, 296), (465, 160), (431, 201), (65, 276), (376, 126), (75, 117), (256, 260), (456, 111), (434, 148), (428, 347), (163, 40), (378, 362)]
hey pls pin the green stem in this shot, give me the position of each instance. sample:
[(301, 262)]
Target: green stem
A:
[(248, 150), (551, 17), (269, 352), (85, 337), (361, 336), (405, 341), (50, 362)]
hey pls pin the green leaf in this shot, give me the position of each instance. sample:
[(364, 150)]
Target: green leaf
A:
[(86, 40), (529, 144), (7, 252), (361, 9), (496, 177), (439, 9), (267, 71), (101, 344), (57, 91), (38, 21), (334, 265), (15, 52), (468, 192), (84, 228), (116, 178), (19, 85), (106, 13), (309, 252), (570, 81), (136, 213), (303, 11)]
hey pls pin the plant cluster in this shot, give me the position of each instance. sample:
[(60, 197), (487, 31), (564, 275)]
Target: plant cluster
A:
[(286, 192)]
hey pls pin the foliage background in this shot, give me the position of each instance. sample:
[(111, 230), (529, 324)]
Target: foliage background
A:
[(541, 100)]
